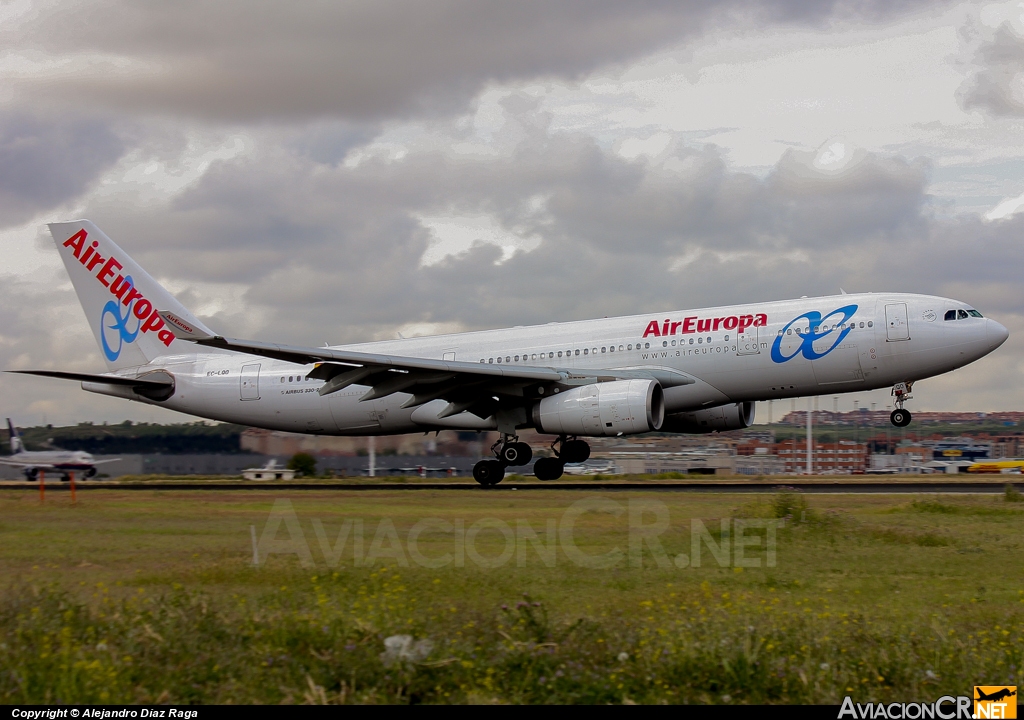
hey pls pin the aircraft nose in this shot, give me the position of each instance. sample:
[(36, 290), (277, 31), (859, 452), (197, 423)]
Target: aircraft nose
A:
[(997, 334)]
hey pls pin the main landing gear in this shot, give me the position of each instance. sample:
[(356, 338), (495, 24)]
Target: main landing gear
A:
[(569, 451), (508, 451), (899, 416)]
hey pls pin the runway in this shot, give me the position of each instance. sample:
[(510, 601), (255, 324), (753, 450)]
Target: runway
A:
[(736, 487)]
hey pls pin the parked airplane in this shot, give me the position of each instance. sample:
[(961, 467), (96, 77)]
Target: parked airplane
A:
[(1007, 465), (63, 462), (689, 371)]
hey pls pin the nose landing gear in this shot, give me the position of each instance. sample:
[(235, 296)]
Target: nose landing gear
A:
[(899, 416)]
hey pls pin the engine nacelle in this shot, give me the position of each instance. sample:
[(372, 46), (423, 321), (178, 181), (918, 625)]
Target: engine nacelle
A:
[(724, 417), (608, 408)]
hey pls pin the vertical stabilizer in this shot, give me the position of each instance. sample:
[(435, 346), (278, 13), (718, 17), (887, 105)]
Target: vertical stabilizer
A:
[(16, 445), (120, 299)]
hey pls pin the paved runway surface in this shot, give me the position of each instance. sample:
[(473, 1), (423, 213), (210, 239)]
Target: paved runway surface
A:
[(725, 486)]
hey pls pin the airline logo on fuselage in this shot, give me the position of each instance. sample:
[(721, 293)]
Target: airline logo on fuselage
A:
[(832, 328), (739, 323), (138, 315)]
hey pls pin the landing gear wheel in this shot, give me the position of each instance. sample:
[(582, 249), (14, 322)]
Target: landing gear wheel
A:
[(548, 468), (518, 453), (900, 417), (488, 472), (575, 451)]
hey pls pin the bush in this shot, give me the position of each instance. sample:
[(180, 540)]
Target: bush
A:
[(303, 464)]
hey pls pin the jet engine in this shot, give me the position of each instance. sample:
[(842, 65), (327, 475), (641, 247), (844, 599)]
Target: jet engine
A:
[(724, 417), (608, 408)]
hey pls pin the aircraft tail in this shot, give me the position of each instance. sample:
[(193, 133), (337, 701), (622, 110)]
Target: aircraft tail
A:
[(17, 445), (120, 299)]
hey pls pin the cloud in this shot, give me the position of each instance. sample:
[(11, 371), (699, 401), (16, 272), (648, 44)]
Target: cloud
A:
[(46, 161), (242, 61), (997, 84)]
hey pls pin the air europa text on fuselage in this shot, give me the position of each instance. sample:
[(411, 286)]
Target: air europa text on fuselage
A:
[(694, 324), (120, 287)]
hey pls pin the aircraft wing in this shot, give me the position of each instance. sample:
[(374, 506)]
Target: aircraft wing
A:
[(480, 388), (24, 464)]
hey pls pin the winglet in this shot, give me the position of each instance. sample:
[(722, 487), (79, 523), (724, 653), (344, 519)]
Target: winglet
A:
[(193, 330)]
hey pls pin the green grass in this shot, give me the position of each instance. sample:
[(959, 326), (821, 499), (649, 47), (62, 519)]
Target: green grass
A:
[(150, 596)]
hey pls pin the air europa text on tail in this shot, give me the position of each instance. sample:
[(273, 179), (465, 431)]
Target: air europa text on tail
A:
[(120, 287)]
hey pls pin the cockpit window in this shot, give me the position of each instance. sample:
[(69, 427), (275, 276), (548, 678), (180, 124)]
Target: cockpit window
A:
[(961, 314), (974, 313), (950, 315)]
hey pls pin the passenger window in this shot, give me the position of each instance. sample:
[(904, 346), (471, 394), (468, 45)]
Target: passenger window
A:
[(584, 351), (282, 378), (961, 315), (862, 324), (499, 360), (664, 343), (613, 349), (559, 353), (647, 346), (727, 338), (551, 355), (517, 358), (534, 356), (577, 352), (629, 347), (508, 359), (870, 324), (620, 348), (481, 359), (700, 340), (491, 361)]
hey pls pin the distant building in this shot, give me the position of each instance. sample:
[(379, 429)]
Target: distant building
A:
[(958, 448), (842, 458), (653, 463), (270, 471)]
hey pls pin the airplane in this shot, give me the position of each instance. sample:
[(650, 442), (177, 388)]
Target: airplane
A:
[(1008, 465), (996, 696), (61, 461), (592, 467), (687, 371)]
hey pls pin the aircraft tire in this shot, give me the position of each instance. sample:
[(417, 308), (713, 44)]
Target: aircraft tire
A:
[(575, 451), (548, 468), (900, 418), (517, 454), (488, 472)]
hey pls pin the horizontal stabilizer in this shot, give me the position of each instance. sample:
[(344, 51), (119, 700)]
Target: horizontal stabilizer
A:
[(162, 380)]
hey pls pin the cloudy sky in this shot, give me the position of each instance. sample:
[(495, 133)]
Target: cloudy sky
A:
[(338, 172)]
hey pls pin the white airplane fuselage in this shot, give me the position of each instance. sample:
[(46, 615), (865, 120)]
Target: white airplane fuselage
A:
[(811, 346)]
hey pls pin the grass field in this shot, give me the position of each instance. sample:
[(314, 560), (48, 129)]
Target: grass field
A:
[(525, 596)]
